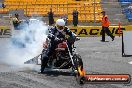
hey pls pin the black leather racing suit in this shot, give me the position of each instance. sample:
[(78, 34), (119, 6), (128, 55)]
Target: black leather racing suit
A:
[(59, 35)]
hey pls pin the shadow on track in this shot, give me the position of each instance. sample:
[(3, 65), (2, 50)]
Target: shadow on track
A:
[(58, 73)]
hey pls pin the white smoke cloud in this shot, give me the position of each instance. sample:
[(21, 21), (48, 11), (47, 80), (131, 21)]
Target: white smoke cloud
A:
[(25, 44)]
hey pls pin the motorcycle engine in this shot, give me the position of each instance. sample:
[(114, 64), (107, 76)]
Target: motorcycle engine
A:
[(61, 57)]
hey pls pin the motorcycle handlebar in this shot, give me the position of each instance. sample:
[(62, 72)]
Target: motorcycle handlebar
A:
[(51, 36), (77, 39)]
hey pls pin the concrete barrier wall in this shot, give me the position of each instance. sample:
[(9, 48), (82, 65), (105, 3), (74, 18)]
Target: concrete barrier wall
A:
[(81, 31)]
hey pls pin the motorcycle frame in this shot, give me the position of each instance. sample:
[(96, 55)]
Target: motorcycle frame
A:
[(71, 56)]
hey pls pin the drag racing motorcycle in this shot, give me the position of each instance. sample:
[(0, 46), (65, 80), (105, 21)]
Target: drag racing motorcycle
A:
[(62, 57)]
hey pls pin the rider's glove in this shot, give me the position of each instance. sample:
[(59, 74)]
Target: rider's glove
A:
[(77, 38), (57, 39)]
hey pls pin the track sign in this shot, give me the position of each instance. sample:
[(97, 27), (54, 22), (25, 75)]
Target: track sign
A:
[(5, 32)]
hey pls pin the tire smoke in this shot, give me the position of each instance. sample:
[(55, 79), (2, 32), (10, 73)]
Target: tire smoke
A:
[(25, 43)]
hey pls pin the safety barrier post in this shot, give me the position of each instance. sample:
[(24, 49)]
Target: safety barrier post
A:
[(119, 23)]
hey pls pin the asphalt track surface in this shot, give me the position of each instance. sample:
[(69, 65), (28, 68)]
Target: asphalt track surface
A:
[(98, 57)]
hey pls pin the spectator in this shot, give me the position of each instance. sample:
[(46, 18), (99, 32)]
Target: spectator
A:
[(75, 17), (16, 21), (50, 16), (105, 27), (2, 5)]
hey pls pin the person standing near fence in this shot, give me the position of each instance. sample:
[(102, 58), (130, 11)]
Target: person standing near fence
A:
[(51, 18), (105, 27), (75, 17), (16, 21)]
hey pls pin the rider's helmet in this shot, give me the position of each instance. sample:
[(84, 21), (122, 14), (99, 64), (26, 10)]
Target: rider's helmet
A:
[(60, 24)]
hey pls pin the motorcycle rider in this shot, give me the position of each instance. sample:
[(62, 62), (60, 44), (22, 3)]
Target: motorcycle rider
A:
[(57, 34)]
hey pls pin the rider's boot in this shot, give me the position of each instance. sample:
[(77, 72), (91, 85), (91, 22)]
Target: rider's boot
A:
[(44, 62)]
